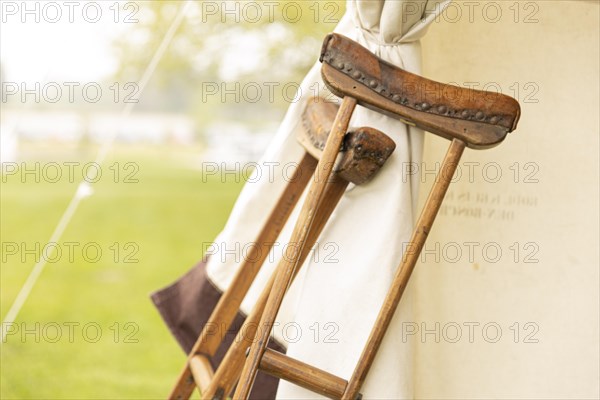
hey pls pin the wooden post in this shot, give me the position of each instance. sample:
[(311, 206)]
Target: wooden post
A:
[(226, 309), (409, 260), (298, 239)]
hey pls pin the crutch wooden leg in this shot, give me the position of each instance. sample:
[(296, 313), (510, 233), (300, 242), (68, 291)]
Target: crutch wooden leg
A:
[(226, 309), (284, 274), (404, 271)]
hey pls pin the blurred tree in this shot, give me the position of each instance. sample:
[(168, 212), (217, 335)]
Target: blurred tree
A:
[(226, 45)]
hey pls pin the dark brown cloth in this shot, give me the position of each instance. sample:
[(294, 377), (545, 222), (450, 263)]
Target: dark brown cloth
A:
[(186, 306)]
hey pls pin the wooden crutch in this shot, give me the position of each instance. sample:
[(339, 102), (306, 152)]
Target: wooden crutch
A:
[(467, 117), (354, 166)]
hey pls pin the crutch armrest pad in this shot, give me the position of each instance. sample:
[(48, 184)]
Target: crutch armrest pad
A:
[(480, 118), (364, 150)]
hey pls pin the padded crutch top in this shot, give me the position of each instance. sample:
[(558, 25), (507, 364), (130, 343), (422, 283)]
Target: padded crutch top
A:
[(481, 119), (364, 150)]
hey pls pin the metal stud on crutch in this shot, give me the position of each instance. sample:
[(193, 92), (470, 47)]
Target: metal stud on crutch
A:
[(469, 118), (364, 152)]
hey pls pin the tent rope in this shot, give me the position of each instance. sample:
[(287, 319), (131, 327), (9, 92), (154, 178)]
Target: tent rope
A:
[(84, 189)]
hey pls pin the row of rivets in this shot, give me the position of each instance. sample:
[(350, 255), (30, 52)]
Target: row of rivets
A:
[(422, 106)]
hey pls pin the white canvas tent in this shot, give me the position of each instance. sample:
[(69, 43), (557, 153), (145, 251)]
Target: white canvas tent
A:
[(504, 303)]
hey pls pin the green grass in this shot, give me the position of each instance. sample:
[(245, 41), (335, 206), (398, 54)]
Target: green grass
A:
[(164, 218)]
